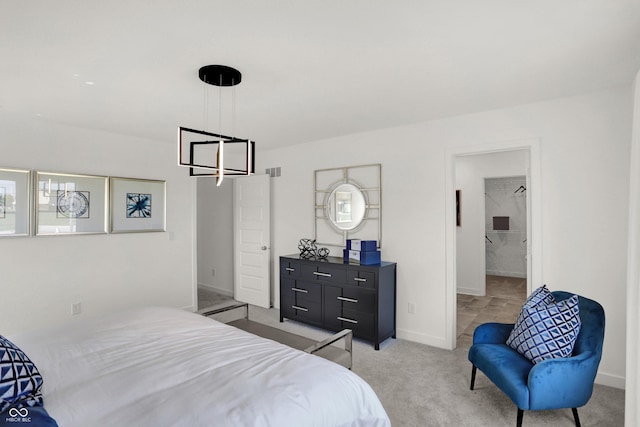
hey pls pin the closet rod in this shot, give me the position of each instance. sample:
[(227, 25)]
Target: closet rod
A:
[(520, 189)]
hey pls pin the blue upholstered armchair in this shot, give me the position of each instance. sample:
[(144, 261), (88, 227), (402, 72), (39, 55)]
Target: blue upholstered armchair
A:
[(549, 384)]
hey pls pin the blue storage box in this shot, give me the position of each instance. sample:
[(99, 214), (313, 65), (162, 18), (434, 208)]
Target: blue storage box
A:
[(364, 257), (362, 245)]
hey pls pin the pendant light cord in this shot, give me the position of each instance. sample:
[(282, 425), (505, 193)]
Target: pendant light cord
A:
[(233, 112), (205, 109)]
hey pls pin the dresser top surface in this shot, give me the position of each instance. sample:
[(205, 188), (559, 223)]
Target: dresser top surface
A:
[(337, 260)]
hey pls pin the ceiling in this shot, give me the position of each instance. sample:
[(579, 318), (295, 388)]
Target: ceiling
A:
[(311, 69)]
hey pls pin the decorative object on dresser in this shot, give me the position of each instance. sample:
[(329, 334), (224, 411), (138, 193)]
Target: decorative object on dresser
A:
[(334, 295), (363, 251), (308, 249)]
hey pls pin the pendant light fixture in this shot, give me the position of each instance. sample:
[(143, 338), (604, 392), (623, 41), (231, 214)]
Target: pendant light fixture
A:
[(213, 154)]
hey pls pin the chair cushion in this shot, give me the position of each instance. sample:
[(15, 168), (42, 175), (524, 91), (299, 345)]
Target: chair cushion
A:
[(546, 331), (507, 369)]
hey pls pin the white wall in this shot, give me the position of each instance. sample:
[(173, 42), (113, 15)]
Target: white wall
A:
[(585, 146), (632, 385), (42, 276), (215, 234), (470, 242)]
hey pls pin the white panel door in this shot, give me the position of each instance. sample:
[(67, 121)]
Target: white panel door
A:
[(251, 240)]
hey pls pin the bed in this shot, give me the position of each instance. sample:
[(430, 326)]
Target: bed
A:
[(159, 366)]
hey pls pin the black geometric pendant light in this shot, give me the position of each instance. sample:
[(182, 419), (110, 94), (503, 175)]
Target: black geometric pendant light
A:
[(213, 154)]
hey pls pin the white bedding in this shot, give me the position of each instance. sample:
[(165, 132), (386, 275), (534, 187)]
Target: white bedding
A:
[(167, 367)]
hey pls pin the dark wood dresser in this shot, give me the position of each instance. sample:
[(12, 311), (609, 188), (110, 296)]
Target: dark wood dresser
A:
[(335, 295)]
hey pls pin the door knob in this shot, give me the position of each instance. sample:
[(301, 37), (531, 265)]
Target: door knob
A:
[(264, 248)]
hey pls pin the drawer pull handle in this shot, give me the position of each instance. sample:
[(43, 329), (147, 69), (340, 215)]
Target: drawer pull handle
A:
[(290, 269), (300, 308), (344, 319), (304, 291), (348, 299), (318, 273), (359, 279)]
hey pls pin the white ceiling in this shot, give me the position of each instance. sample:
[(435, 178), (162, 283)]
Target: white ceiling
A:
[(311, 69)]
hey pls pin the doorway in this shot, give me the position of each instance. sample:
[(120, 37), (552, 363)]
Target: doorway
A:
[(214, 216), (505, 242), (233, 242), (466, 259)]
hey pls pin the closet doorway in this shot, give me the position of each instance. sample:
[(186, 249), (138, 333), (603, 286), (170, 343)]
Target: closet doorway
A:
[(505, 217), (492, 256), (505, 214)]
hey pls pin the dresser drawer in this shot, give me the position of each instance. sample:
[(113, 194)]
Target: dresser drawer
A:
[(361, 300), (350, 307), (362, 324), (303, 290), (287, 296), (289, 268), (361, 278), (301, 299), (305, 310), (324, 273)]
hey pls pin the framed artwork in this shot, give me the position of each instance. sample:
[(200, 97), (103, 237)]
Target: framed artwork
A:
[(14, 202), (137, 205), (70, 204)]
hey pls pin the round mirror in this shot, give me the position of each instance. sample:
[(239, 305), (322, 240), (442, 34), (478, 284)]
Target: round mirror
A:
[(345, 207)]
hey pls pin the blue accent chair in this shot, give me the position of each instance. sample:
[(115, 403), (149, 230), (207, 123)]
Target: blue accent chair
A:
[(550, 384)]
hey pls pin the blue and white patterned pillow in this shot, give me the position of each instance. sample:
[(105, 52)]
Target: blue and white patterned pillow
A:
[(547, 331), (20, 381), (542, 295)]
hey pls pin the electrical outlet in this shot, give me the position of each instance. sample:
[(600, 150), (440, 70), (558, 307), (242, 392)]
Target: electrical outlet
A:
[(213, 272), (412, 308), (76, 308)]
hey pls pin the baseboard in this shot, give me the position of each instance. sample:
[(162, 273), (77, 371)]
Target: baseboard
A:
[(225, 292), (469, 291), (610, 380), (517, 274), (418, 337)]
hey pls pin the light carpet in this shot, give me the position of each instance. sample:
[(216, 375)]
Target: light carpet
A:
[(425, 386)]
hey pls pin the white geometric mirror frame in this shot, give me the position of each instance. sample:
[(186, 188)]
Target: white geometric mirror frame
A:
[(338, 216)]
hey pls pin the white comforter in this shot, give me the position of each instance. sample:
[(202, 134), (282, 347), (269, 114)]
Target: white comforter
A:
[(167, 367)]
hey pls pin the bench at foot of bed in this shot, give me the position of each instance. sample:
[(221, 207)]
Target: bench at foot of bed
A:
[(339, 355)]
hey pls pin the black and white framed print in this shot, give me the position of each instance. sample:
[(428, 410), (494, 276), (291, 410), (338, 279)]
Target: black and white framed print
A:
[(70, 204), (137, 205), (14, 202)]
